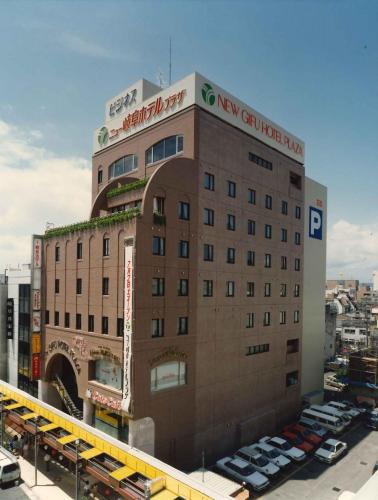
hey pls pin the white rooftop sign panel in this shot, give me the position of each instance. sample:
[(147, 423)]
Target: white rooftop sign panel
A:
[(126, 114)]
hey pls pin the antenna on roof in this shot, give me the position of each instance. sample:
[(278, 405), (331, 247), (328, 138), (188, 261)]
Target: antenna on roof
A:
[(170, 61)]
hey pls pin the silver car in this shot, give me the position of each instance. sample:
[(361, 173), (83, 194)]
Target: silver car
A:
[(330, 450), (244, 472)]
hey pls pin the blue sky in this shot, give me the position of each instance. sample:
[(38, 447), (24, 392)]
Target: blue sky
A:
[(310, 66)]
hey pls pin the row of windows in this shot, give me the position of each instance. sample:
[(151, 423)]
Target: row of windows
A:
[(79, 249), (157, 326), (256, 349), (79, 286), (267, 318), (209, 183), (260, 161), (91, 322), (158, 288)]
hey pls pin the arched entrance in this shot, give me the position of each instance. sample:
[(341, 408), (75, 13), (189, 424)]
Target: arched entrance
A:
[(61, 380)]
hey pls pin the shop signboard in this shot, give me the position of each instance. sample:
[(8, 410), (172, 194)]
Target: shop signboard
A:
[(35, 327), (10, 318), (36, 366), (128, 324)]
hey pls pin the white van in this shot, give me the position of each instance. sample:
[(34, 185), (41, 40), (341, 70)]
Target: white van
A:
[(329, 410), (352, 412), (9, 467), (333, 424)]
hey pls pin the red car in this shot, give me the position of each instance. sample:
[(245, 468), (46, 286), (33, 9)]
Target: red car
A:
[(306, 434), (297, 441)]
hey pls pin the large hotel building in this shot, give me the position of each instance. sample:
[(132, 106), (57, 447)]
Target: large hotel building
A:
[(174, 318)]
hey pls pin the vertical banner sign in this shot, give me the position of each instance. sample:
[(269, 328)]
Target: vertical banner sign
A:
[(35, 326), (10, 316), (128, 324)]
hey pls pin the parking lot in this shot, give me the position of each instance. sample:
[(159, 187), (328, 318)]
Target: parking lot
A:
[(318, 481)]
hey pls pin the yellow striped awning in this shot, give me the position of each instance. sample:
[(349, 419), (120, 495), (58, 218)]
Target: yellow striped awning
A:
[(13, 406), (48, 427), (164, 495), (6, 398), (28, 416), (122, 473), (67, 439), (88, 454)]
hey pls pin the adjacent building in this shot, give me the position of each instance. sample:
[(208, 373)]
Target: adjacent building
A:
[(173, 317)]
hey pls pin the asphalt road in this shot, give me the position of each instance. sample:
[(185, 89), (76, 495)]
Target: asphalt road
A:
[(318, 481), (13, 492)]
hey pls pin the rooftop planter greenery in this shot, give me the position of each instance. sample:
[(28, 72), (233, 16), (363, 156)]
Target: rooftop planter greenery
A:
[(97, 222), (127, 187)]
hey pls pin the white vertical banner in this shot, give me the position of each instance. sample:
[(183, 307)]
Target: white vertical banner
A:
[(128, 324)]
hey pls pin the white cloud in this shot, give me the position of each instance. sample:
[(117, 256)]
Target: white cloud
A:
[(352, 250), (85, 47), (36, 187)]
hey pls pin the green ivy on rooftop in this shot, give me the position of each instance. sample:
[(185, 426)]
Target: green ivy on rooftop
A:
[(97, 222), (127, 187)]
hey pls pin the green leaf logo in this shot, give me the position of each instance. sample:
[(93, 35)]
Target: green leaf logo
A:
[(103, 136), (208, 94)]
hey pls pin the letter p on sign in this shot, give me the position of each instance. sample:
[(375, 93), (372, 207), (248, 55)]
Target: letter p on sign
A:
[(316, 223)]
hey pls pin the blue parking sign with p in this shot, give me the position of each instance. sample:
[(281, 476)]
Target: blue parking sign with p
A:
[(316, 223)]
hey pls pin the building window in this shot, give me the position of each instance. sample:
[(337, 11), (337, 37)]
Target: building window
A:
[(157, 327), (182, 325), (158, 245), (158, 205), (292, 346), (296, 290), (183, 249), (108, 373), (230, 288), (250, 258), (231, 189), (283, 262), (158, 287), (292, 378), (297, 264), (207, 288), (99, 176), (184, 210), (282, 317), (208, 217), (168, 375), (57, 253), (56, 318), (297, 212), (79, 250), (266, 319), (208, 252), (106, 247), (296, 180), (283, 290), (78, 321), (284, 235), (267, 260), (250, 289), (297, 238), (296, 316), (268, 202), (260, 161), (231, 224), (169, 146), (267, 289), (230, 259), (250, 320), (105, 286), (105, 325), (251, 227), (284, 207), (120, 327), (79, 286), (268, 231), (91, 323), (256, 349), (66, 320), (183, 287), (56, 286), (252, 196), (123, 166), (209, 181), (47, 317)]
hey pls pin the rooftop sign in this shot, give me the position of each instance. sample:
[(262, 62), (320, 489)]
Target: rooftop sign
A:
[(195, 89)]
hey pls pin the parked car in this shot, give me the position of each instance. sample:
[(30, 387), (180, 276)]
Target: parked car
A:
[(273, 455), (330, 450), (313, 426), (298, 441), (305, 433), (284, 447), (244, 472), (258, 461), (371, 420), (352, 406), (344, 408)]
